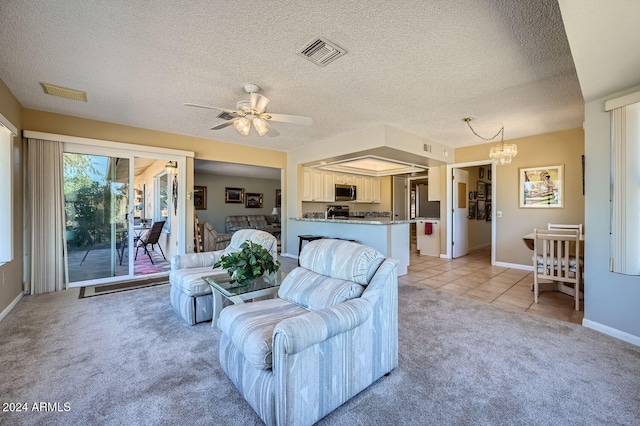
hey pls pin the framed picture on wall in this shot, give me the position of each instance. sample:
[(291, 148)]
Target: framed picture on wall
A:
[(200, 197), (482, 213), (481, 189), (234, 195), (481, 172), (472, 210), (541, 187), (487, 190), (488, 211), (254, 201), (278, 198)]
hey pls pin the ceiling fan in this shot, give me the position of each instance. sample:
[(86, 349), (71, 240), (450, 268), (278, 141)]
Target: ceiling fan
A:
[(253, 110)]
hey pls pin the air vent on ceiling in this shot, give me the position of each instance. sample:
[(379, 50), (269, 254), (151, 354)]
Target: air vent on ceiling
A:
[(321, 52), (63, 92), (227, 116)]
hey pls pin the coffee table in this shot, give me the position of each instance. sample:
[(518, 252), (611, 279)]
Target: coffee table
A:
[(239, 293)]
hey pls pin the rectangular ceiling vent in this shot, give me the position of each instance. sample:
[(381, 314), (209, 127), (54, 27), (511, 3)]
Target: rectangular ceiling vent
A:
[(321, 52), (63, 92)]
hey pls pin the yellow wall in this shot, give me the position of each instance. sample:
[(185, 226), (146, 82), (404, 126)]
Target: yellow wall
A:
[(203, 148), (11, 272), (549, 149)]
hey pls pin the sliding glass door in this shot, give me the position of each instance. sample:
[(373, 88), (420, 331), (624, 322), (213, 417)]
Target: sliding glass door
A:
[(96, 191), (111, 204)]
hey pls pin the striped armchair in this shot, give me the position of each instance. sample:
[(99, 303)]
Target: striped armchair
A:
[(190, 294), (332, 332)]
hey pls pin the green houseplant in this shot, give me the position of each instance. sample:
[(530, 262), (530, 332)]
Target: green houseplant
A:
[(250, 262)]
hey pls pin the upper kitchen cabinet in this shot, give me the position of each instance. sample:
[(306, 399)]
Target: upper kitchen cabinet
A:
[(317, 185)]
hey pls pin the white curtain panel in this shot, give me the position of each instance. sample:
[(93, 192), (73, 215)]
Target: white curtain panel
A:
[(47, 245)]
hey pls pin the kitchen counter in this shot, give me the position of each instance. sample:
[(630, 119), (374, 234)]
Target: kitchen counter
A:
[(389, 237)]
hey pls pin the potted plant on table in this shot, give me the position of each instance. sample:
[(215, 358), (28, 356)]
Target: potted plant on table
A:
[(252, 261)]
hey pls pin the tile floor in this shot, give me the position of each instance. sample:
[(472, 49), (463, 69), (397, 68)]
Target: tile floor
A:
[(473, 276)]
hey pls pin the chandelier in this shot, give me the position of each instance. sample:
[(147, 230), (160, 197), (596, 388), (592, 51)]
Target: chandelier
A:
[(501, 153)]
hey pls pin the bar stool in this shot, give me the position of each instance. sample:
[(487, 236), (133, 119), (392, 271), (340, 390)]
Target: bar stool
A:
[(306, 238)]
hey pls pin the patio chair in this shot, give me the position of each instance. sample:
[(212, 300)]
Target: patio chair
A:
[(151, 237)]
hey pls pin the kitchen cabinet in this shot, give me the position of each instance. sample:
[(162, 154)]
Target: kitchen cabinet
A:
[(375, 190), (363, 189), (329, 188), (428, 244), (317, 185)]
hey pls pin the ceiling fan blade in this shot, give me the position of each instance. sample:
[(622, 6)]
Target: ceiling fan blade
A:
[(258, 102), (223, 125), (295, 119), (231, 111), (272, 132)]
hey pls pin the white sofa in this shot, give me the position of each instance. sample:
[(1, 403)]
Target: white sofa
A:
[(190, 294)]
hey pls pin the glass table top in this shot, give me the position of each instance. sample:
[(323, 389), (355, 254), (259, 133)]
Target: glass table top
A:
[(221, 283)]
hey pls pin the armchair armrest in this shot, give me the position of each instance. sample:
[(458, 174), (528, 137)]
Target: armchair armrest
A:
[(195, 260), (298, 333)]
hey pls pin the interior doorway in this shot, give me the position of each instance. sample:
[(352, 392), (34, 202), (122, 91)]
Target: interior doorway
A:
[(481, 179)]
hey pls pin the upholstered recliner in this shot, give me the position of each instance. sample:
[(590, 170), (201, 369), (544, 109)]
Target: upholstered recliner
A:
[(211, 240), (332, 332), (190, 294)]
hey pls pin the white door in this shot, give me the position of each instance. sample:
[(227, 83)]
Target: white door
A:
[(460, 221)]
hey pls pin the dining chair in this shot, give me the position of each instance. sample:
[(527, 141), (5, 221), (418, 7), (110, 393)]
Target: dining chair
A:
[(565, 226), (555, 258)]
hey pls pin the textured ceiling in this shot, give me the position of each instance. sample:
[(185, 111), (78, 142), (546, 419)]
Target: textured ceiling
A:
[(420, 66), (605, 43)]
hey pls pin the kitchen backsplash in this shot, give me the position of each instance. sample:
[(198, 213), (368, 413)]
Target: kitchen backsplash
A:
[(320, 215)]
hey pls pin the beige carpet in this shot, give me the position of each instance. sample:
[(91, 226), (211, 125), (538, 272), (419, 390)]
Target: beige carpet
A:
[(128, 358)]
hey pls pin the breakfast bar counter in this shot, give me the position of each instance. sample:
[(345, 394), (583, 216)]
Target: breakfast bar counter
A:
[(389, 237)]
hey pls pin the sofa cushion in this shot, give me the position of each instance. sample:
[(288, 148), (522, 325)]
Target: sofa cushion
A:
[(257, 221), (250, 327), (191, 281), (314, 291), (341, 259)]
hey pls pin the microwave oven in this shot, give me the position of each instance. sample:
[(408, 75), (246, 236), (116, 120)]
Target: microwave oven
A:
[(345, 193)]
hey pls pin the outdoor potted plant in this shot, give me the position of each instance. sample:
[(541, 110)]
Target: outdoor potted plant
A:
[(252, 261)]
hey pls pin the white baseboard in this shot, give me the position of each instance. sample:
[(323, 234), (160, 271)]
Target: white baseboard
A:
[(288, 255), (613, 332), (515, 266), (11, 306), (444, 256)]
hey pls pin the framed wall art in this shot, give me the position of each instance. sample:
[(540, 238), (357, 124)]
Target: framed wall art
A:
[(278, 198), (200, 197), (481, 189), (541, 187), (234, 195), (472, 210), (487, 213), (481, 215), (254, 201)]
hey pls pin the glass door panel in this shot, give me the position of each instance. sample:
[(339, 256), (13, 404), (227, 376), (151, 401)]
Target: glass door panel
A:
[(96, 207)]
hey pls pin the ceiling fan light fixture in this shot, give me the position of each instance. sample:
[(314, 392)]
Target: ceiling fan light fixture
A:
[(261, 126), (242, 125)]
